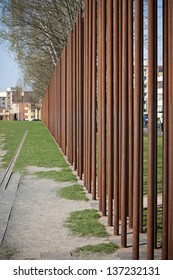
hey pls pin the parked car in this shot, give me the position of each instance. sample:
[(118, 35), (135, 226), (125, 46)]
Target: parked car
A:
[(145, 118)]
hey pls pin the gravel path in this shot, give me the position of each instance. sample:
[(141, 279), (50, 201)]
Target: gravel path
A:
[(36, 226)]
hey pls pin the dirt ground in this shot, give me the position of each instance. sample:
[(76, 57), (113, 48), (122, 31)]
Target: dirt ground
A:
[(36, 226)]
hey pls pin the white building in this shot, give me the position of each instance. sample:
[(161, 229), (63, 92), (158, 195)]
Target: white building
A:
[(3, 99)]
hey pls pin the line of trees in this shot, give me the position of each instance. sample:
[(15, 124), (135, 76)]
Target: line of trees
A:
[(37, 32)]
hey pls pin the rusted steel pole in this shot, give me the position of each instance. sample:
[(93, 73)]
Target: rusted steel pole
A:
[(84, 91), (80, 99), (53, 105), (124, 148), (77, 89), (165, 133), (152, 124), (130, 108), (58, 93), (62, 100), (94, 45), (137, 124), (56, 104), (89, 94), (99, 153), (170, 133), (120, 100), (74, 98), (68, 100), (71, 97), (85, 87), (63, 97), (109, 133), (48, 115), (116, 117), (103, 120)]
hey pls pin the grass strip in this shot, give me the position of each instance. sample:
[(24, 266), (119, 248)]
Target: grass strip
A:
[(107, 248), (85, 223), (74, 192), (65, 175)]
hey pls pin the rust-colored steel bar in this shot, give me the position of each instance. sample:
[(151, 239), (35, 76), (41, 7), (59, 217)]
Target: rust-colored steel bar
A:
[(137, 124), (69, 101), (53, 105), (71, 98), (165, 133), (85, 119), (120, 100), (69, 116), (62, 102), (103, 119), (109, 103), (80, 98), (56, 104), (84, 62), (63, 99), (99, 153), (94, 45), (58, 93), (89, 142), (86, 89), (141, 137), (116, 117), (152, 125), (124, 148), (74, 96), (49, 107), (170, 132), (130, 98), (77, 89)]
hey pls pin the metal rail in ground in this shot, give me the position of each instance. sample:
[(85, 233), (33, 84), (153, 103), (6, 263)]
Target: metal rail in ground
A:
[(8, 172)]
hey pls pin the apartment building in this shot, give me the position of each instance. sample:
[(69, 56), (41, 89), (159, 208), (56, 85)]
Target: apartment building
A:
[(18, 105)]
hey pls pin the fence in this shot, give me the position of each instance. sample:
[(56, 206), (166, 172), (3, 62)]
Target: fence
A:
[(94, 109)]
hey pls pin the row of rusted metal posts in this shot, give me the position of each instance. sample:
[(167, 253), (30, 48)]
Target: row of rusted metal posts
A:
[(94, 109)]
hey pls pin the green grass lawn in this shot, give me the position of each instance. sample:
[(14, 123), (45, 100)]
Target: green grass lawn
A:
[(39, 149)]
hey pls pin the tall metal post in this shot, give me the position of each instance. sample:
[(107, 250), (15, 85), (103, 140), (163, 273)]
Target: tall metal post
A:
[(94, 97), (137, 124), (124, 148), (103, 119), (109, 133), (99, 7), (116, 117), (152, 125)]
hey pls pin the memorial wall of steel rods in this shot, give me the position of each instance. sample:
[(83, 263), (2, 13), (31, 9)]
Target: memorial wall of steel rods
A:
[(93, 107)]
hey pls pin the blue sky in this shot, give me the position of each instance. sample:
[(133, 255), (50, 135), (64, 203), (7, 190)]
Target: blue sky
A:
[(9, 72)]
